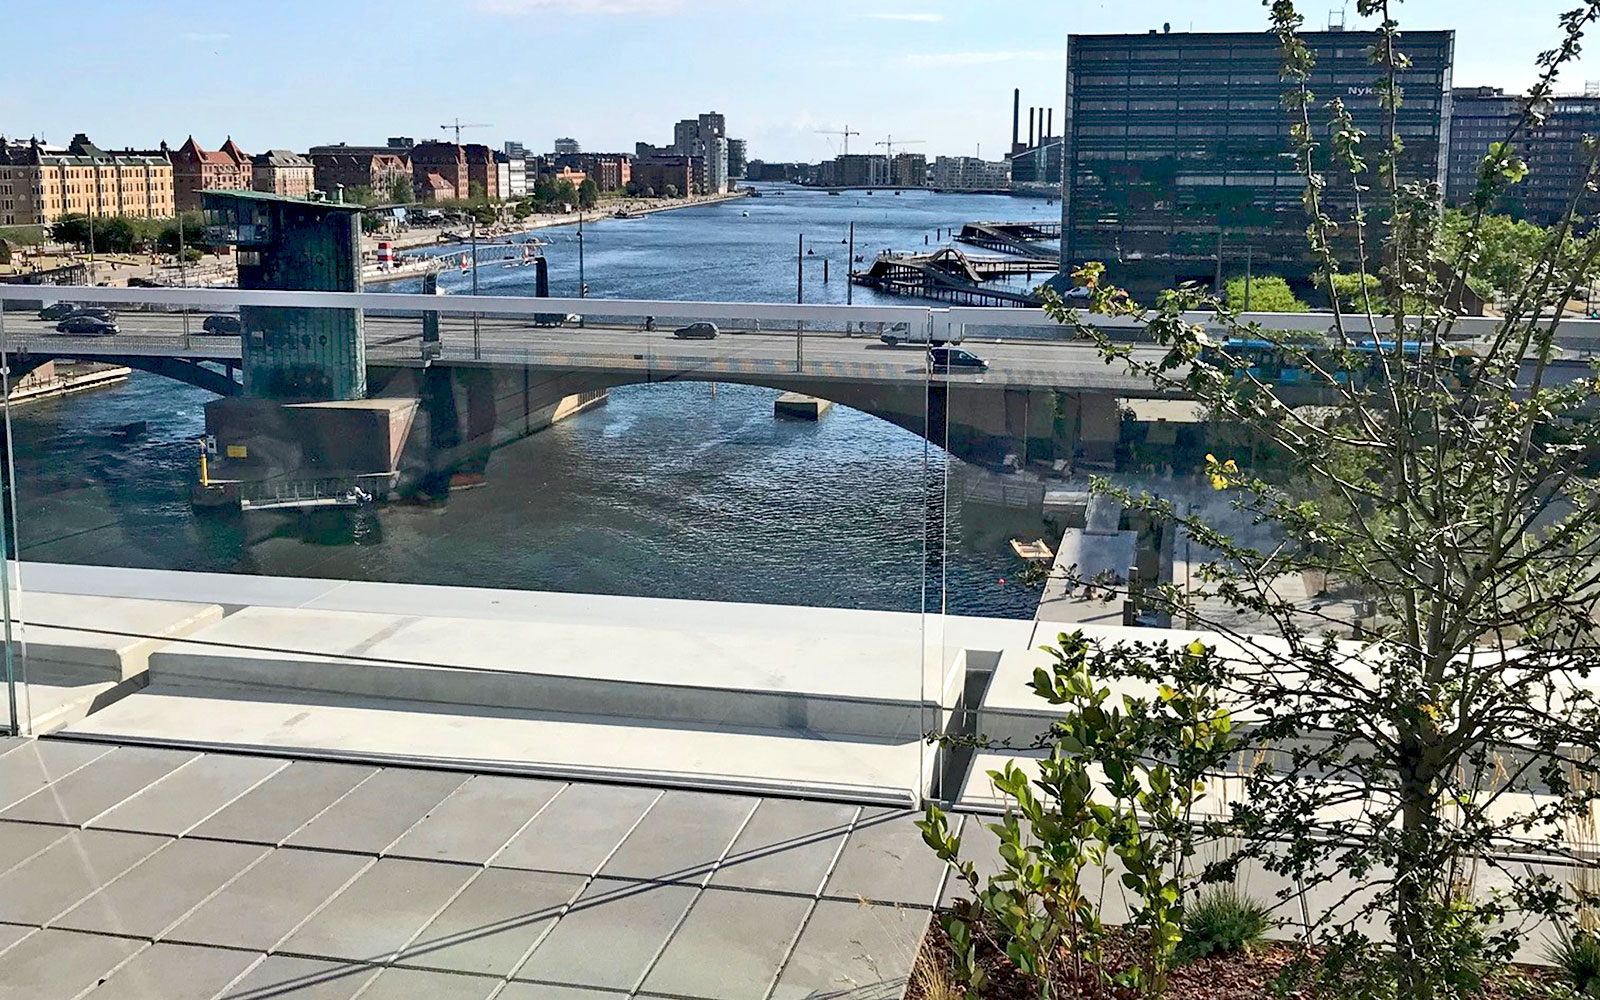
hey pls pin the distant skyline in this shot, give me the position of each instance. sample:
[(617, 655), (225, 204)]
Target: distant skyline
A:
[(610, 73)]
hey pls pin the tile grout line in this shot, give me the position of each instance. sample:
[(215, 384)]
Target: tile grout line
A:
[(699, 892), (195, 755), (282, 767), (53, 778), (816, 900), (184, 833), (376, 770)]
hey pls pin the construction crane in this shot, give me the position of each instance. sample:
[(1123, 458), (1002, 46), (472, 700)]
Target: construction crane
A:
[(458, 125), (845, 132), (889, 144)]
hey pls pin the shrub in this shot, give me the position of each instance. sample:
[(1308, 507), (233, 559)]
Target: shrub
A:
[(1268, 293), (1222, 921), (1577, 954)]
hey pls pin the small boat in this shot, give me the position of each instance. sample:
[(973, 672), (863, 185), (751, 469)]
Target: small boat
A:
[(745, 214), (835, 194)]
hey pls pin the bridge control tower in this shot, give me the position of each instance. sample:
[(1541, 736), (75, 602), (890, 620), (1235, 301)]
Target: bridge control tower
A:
[(295, 354)]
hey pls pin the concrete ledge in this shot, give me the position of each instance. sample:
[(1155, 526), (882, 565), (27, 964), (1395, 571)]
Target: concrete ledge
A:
[(861, 686), (128, 630), (536, 743)]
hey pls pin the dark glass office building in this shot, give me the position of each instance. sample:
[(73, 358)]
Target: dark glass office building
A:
[(1553, 151), (1176, 143)]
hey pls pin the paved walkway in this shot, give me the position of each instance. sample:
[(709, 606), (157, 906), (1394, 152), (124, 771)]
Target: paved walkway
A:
[(134, 873)]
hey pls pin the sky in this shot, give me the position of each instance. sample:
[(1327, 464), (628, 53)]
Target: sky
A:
[(297, 73)]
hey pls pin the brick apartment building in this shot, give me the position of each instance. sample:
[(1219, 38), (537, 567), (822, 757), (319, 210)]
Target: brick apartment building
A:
[(278, 171), (38, 185), (373, 167), (196, 170)]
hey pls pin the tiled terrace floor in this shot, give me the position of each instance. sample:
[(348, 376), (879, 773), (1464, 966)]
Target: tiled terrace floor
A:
[(132, 873)]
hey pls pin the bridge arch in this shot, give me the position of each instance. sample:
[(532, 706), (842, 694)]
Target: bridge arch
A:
[(189, 371)]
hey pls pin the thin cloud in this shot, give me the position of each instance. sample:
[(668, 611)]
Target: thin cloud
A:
[(918, 18), (592, 7), (943, 60), (205, 36)]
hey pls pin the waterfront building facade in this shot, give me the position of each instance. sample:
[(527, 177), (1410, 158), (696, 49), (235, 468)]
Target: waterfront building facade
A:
[(1178, 144), (373, 167), (279, 171), (196, 170), (658, 174), (38, 185), (736, 159), (909, 170), (969, 173), (1553, 150)]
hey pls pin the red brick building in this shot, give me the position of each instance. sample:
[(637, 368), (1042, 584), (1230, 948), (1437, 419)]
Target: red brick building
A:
[(196, 170), (373, 167)]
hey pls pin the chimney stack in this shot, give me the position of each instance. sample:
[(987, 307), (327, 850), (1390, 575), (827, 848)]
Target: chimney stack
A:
[(1030, 126), (1016, 116), (1050, 126)]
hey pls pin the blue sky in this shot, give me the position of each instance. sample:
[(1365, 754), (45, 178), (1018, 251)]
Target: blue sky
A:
[(293, 73)]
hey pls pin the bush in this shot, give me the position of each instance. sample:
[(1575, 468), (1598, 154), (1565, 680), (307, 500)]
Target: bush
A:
[(1268, 293), (1577, 953), (1223, 921)]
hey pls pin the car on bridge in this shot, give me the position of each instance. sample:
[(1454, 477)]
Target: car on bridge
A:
[(87, 324), (896, 338), (57, 311), (222, 324), (947, 358), (697, 331)]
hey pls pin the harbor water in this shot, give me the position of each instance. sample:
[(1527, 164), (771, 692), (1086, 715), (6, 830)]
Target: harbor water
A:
[(678, 490)]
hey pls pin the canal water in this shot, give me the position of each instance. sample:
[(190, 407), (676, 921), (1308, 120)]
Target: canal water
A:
[(680, 490)]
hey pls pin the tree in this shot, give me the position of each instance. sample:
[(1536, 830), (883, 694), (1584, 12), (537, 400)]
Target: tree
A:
[(400, 191), (1504, 252), (588, 193), (672, 191), (1441, 714), (1267, 293)]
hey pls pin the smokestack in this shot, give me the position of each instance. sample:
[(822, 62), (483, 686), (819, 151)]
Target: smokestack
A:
[(1030, 126), (1016, 115), (1050, 124)]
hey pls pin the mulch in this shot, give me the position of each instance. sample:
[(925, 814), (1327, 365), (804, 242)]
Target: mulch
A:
[(1251, 975)]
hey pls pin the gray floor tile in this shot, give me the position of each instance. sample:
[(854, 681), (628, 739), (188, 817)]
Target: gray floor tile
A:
[(886, 861), (188, 795), (175, 972), (610, 936), (380, 809), (10, 934), (416, 984), (787, 846), (89, 791), (490, 927), (21, 841), (284, 802), (855, 950), (58, 965), (160, 890), (578, 831), (377, 914), (38, 762), (9, 743), (681, 838), (56, 879), (730, 947), (477, 819), (550, 991), (283, 978), (258, 908)]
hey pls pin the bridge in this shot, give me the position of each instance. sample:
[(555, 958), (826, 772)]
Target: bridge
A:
[(505, 373), (951, 275)]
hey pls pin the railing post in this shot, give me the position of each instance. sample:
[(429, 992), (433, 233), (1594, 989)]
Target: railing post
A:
[(7, 522)]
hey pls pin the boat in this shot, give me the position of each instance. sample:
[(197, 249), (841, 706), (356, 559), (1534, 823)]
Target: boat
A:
[(835, 194), (745, 214), (622, 214)]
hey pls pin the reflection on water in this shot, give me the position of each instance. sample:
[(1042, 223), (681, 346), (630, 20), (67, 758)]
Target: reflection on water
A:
[(679, 489)]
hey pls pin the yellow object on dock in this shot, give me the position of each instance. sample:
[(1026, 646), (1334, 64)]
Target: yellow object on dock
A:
[(1036, 551)]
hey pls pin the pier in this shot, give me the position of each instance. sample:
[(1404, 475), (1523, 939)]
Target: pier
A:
[(1021, 238), (952, 275)]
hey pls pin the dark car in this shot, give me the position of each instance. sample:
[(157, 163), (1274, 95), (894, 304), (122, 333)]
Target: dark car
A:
[(98, 312), (946, 358), (58, 311), (84, 323), (696, 331), (222, 324)]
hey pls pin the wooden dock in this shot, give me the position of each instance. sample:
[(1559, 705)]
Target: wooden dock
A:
[(952, 275), (1022, 238)]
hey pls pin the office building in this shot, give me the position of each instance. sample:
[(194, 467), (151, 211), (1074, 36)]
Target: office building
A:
[(664, 175), (515, 149), (567, 147), (278, 171), (1176, 143), (969, 173), (1553, 151), (513, 171), (39, 186)]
